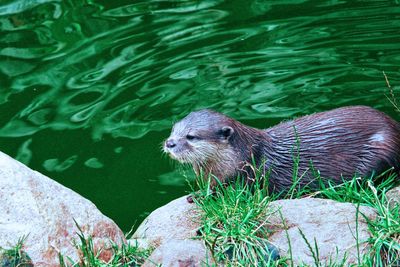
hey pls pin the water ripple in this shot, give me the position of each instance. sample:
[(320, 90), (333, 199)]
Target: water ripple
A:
[(134, 68)]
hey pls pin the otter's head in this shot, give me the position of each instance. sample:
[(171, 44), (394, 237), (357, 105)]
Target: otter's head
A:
[(202, 139)]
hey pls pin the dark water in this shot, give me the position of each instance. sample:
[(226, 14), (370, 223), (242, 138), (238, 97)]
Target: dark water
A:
[(89, 89)]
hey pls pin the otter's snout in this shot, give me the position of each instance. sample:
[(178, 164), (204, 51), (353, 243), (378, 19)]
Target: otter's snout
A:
[(170, 143)]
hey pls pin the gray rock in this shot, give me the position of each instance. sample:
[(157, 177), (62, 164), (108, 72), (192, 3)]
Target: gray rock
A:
[(180, 253), (332, 225), (393, 196), (39, 208), (176, 220)]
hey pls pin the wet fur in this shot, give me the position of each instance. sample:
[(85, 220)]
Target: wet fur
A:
[(339, 143)]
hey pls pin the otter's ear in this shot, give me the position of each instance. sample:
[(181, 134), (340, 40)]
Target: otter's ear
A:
[(226, 132)]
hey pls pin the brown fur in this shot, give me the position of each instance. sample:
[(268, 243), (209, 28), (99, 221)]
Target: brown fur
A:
[(340, 143)]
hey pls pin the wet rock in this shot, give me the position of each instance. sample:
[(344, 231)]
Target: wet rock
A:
[(34, 206), (327, 224), (176, 220), (393, 196), (180, 253), (272, 252), (269, 252)]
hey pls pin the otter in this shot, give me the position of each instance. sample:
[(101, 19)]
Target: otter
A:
[(340, 143)]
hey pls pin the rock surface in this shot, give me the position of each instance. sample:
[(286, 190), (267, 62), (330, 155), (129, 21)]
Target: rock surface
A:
[(176, 220), (39, 208), (180, 253), (332, 225), (393, 196)]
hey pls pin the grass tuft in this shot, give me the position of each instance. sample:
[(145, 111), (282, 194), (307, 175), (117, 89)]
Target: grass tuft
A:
[(125, 255), (15, 256), (235, 224)]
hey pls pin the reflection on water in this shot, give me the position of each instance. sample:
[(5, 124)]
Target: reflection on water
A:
[(89, 89)]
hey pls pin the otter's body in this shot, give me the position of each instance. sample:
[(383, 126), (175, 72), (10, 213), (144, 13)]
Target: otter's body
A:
[(338, 143)]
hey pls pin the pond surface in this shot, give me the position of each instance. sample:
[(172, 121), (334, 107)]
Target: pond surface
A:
[(89, 89)]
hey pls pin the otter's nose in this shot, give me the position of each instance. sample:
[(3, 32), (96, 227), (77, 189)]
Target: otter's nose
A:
[(170, 143)]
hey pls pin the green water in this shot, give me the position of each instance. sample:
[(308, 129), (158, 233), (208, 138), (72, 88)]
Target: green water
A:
[(90, 89)]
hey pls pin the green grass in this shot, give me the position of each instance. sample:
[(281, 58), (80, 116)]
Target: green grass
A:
[(15, 256), (235, 222), (125, 255)]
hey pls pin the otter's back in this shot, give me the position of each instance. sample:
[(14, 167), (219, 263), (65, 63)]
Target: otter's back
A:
[(339, 142)]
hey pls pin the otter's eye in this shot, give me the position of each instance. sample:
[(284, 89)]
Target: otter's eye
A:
[(190, 137)]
